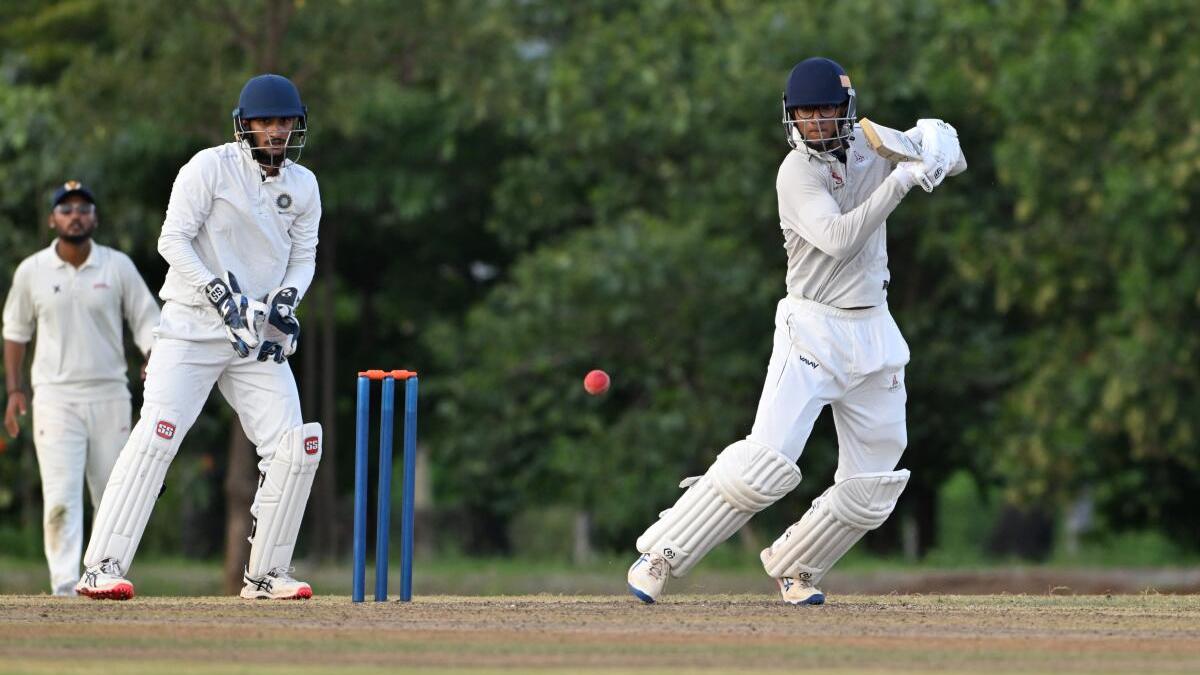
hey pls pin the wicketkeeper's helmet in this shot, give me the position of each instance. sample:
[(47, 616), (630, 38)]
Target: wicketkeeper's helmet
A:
[(267, 96)]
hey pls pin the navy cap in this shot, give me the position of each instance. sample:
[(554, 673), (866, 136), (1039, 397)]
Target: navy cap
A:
[(71, 187)]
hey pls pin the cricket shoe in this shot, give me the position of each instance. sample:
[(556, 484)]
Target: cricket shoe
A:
[(105, 581), (798, 590), (648, 577), (277, 584)]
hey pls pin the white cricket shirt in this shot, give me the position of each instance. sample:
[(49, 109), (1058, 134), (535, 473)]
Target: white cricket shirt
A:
[(833, 220), (76, 315), (225, 215)]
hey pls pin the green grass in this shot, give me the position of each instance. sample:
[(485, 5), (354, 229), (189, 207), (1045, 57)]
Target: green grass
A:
[(729, 569)]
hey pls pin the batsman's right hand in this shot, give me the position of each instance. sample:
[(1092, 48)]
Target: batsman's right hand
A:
[(913, 173), (242, 316)]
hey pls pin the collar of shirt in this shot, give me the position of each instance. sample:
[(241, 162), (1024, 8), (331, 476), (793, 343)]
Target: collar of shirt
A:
[(59, 263), (808, 151)]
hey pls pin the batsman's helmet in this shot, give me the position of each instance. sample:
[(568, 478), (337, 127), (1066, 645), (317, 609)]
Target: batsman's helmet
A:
[(816, 83), (266, 96)]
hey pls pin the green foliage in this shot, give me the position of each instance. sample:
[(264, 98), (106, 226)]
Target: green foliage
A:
[(656, 304), (1099, 262)]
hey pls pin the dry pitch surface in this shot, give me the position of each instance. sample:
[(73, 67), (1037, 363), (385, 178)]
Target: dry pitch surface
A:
[(609, 634)]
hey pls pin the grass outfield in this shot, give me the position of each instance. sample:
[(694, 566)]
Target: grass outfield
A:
[(579, 634), (497, 576)]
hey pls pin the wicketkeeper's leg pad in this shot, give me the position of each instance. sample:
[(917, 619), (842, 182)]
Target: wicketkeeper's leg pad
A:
[(745, 478), (134, 486), (834, 523), (281, 498)]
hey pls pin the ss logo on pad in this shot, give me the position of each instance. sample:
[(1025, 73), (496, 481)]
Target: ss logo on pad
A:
[(312, 445)]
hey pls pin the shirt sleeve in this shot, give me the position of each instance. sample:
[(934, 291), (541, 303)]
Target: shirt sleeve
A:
[(302, 261), (188, 209), (807, 207), (20, 317), (138, 305)]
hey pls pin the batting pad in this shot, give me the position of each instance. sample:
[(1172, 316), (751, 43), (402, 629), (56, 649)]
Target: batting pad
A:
[(133, 487), (281, 498), (745, 479), (835, 522)]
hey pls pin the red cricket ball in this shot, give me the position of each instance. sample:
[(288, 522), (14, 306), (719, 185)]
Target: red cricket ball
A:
[(596, 382)]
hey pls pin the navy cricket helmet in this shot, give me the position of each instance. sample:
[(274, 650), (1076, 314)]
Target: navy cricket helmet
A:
[(269, 96), (823, 85)]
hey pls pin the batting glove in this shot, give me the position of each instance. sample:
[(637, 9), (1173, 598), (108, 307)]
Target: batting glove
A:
[(940, 150), (912, 173)]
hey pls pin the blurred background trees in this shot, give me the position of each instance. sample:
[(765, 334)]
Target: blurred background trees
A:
[(517, 192)]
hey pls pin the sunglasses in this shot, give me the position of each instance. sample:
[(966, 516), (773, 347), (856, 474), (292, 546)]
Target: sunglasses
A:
[(68, 209), (808, 112)]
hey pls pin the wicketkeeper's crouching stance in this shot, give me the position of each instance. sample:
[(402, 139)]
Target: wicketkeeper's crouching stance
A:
[(240, 236), (835, 344)]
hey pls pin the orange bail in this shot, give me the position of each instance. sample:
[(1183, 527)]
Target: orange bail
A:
[(376, 374)]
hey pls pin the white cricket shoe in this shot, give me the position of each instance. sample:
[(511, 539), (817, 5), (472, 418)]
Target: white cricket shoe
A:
[(797, 590), (648, 577), (277, 584), (105, 581), (65, 590)]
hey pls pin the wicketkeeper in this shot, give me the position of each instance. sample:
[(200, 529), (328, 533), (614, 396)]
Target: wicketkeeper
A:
[(241, 239)]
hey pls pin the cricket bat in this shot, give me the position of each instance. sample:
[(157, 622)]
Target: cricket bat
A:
[(888, 143)]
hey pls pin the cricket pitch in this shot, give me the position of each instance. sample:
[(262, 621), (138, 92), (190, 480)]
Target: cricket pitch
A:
[(610, 634)]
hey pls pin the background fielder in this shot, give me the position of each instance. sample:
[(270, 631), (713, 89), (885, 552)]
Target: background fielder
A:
[(71, 296), (835, 344), (241, 227)]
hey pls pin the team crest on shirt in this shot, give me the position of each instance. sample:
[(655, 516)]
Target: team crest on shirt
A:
[(283, 201), (859, 158), (838, 181), (896, 383)]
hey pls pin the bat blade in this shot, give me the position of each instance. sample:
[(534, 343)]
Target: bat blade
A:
[(889, 143)]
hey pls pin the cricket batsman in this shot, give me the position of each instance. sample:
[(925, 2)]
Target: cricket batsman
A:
[(240, 237), (835, 344)]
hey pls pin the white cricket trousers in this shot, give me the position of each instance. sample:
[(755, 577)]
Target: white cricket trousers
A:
[(850, 360), (179, 377), (74, 442), (181, 373)]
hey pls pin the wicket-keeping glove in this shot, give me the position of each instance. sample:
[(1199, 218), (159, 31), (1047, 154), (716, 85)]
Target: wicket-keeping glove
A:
[(241, 315), (281, 332)]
